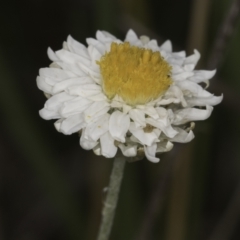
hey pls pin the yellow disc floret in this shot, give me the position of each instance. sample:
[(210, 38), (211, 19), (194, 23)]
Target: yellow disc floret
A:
[(136, 74)]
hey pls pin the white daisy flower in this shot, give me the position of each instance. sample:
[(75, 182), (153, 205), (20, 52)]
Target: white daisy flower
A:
[(133, 95)]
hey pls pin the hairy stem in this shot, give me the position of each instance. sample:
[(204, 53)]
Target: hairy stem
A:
[(112, 197)]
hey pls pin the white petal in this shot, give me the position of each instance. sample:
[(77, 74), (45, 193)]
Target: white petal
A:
[(58, 123), (182, 76), (213, 100), (193, 59), (175, 60), (202, 75), (49, 114), (72, 41), (98, 97), (164, 146), (95, 75), (144, 138), (97, 115), (149, 110), (108, 147), (72, 124), (178, 69), (56, 101), (42, 85), (77, 105), (97, 150), (189, 67), (126, 108), (56, 73), (85, 143), (93, 66), (109, 35), (72, 58), (52, 56), (84, 90), (97, 44), (52, 81), (138, 117), (150, 152), (181, 54), (167, 129), (166, 46), (182, 136), (65, 46), (96, 129), (81, 80), (94, 54), (129, 150), (163, 114), (134, 139), (77, 47), (173, 95), (104, 36), (75, 69), (153, 45), (55, 65), (118, 125), (131, 36), (63, 85), (96, 110), (193, 89), (108, 46), (191, 114), (117, 102), (144, 39)]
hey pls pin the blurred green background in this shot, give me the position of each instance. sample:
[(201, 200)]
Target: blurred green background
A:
[(52, 189)]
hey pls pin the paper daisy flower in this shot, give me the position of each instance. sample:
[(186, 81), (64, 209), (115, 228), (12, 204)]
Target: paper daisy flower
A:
[(133, 94)]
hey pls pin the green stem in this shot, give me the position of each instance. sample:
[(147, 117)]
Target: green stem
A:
[(112, 197)]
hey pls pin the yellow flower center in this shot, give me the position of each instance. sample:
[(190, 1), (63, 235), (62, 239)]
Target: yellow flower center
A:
[(136, 74)]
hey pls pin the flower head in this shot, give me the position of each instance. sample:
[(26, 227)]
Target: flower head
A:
[(133, 95)]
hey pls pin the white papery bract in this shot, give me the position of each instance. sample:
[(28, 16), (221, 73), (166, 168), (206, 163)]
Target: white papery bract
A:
[(78, 98)]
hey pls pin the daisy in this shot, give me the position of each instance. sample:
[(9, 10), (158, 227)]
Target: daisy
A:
[(133, 95)]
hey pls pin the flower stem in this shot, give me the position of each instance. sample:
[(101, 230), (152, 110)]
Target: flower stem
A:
[(112, 198)]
